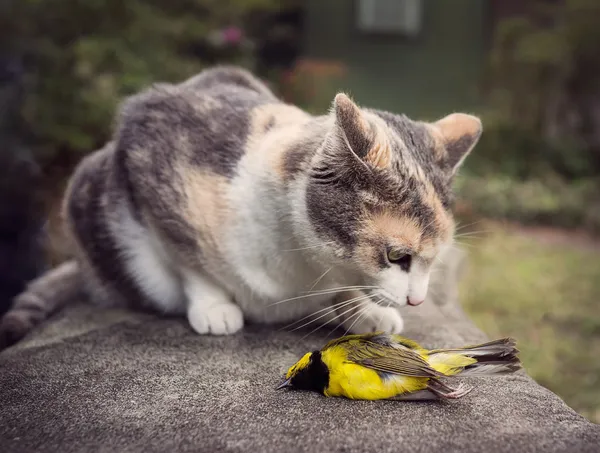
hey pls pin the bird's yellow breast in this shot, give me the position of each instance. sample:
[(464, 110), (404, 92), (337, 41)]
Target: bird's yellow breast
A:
[(357, 382)]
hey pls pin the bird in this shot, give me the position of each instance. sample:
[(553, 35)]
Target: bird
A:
[(382, 366)]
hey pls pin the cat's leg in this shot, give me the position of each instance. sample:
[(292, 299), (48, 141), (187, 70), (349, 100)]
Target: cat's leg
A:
[(209, 307), (364, 315)]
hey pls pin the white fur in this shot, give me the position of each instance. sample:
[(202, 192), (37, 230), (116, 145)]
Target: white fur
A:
[(399, 286), (376, 318), (271, 254), (148, 263), (210, 309), (271, 261)]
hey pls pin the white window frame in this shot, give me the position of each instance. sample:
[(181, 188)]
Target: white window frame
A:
[(408, 22)]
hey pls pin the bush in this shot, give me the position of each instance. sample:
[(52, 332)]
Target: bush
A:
[(80, 57), (543, 88), (534, 201), (312, 84), (511, 149)]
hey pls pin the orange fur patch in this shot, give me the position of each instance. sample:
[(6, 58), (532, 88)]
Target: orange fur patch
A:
[(365, 257), (286, 129), (456, 125), (379, 156), (205, 208), (444, 222), (404, 230)]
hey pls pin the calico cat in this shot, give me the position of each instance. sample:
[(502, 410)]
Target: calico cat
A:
[(218, 201)]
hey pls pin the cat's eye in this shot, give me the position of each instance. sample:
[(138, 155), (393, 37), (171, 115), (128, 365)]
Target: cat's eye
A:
[(400, 257)]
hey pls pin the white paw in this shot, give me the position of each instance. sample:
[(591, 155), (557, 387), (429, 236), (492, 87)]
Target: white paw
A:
[(218, 319), (377, 318)]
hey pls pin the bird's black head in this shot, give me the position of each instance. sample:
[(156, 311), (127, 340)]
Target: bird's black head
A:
[(309, 373)]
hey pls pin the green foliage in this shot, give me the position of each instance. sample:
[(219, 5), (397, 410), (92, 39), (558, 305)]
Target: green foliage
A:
[(543, 88), (511, 148), (549, 201), (83, 56)]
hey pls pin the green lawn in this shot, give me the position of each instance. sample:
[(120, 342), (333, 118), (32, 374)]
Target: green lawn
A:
[(546, 295)]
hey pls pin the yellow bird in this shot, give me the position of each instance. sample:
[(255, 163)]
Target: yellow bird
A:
[(382, 366)]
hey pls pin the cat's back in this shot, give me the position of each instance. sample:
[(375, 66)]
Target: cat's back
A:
[(175, 154), (203, 122)]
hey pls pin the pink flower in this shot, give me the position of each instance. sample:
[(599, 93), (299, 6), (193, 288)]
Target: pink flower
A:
[(231, 35)]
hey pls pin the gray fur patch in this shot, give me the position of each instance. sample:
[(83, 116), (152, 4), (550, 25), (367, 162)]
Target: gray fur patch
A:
[(349, 120), (420, 144), (334, 210), (203, 122), (87, 210), (457, 149), (297, 159), (218, 76)]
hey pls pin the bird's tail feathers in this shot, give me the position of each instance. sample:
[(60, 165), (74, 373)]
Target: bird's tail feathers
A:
[(495, 357)]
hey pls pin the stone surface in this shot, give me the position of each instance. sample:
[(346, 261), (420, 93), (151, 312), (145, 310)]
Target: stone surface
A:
[(118, 381)]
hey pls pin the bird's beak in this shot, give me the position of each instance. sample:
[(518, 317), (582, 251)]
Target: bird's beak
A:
[(284, 384)]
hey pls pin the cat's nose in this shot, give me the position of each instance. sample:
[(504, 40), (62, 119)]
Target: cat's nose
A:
[(414, 302)]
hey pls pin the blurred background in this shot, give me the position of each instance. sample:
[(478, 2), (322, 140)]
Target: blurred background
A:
[(528, 198)]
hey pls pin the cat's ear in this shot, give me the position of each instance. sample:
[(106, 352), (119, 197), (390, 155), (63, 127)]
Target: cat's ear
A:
[(358, 134), (354, 128), (460, 133)]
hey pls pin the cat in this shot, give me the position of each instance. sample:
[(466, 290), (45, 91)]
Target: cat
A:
[(218, 201)]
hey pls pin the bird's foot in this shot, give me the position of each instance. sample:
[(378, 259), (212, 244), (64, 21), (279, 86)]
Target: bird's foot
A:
[(446, 392)]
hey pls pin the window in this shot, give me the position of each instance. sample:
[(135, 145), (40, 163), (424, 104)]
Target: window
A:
[(390, 16)]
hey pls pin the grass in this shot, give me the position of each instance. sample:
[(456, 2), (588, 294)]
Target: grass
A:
[(547, 296)]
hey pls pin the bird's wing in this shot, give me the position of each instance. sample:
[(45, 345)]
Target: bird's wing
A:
[(411, 344), (389, 359), (352, 338)]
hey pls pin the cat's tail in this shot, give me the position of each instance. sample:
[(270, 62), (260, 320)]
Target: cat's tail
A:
[(43, 296)]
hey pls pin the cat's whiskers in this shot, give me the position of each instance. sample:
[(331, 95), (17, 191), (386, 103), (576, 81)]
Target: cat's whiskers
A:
[(347, 288), (429, 224), (456, 245), (319, 293), (381, 315), (360, 314), (329, 308), (319, 279), (476, 234), (460, 226), (356, 299), (315, 246), (330, 321), (376, 302)]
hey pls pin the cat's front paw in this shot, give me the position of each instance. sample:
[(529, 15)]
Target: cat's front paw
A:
[(218, 319), (376, 318)]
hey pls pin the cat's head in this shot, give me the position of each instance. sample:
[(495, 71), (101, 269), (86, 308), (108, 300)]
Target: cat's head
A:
[(379, 193)]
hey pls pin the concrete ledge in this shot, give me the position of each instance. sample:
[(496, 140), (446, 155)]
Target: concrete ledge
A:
[(118, 381)]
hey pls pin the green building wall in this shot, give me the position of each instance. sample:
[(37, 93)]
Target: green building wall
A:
[(428, 76)]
